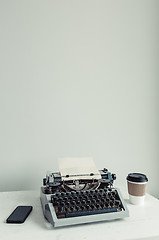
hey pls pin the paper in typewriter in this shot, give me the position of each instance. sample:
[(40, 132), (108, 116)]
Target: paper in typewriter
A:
[(78, 168)]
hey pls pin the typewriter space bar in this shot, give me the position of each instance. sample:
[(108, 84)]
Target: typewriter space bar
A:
[(85, 213)]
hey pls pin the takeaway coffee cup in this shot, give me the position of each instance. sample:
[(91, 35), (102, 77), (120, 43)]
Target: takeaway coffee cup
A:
[(136, 187)]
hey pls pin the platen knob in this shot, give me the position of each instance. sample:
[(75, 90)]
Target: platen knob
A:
[(114, 176)]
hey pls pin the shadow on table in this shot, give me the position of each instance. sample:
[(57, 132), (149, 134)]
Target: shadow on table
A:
[(127, 201)]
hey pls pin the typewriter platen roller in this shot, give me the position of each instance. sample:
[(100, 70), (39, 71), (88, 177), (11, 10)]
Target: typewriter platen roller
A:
[(70, 198)]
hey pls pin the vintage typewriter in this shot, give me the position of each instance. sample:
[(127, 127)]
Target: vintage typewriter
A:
[(70, 198)]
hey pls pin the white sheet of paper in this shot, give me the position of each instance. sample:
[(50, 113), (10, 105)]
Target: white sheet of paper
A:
[(78, 166)]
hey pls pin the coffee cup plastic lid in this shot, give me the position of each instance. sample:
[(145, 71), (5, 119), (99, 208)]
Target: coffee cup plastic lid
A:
[(137, 177)]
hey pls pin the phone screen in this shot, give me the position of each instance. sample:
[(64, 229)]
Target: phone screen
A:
[(19, 214)]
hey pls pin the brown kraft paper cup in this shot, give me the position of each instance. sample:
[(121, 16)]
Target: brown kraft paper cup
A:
[(136, 187)]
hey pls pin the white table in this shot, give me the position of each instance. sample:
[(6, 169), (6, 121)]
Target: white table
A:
[(143, 222)]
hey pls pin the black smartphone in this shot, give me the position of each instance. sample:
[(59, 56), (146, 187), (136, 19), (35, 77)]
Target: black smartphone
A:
[(19, 214)]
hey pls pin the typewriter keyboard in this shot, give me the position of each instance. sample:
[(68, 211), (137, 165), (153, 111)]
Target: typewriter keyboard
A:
[(82, 203)]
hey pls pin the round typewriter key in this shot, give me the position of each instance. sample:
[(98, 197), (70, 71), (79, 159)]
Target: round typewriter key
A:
[(113, 193), (97, 205), (99, 195), (73, 202), (89, 201), (117, 203), (98, 201), (78, 208), (94, 193), (71, 208), (80, 195), (108, 201), (83, 201), (91, 196), (112, 199), (68, 204), (106, 204), (70, 197), (104, 200), (93, 206), (86, 197), (93, 200), (95, 196), (102, 205), (88, 207), (82, 207)]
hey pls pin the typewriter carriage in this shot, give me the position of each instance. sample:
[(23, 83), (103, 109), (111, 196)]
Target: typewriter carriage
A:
[(54, 183)]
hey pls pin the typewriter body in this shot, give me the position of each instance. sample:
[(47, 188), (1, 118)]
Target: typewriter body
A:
[(81, 198)]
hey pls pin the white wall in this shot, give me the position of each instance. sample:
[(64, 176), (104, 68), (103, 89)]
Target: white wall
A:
[(78, 78)]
